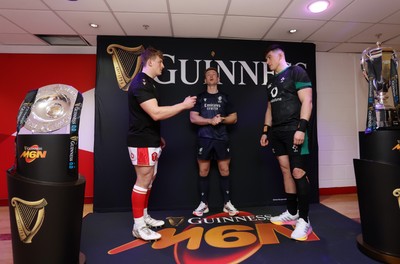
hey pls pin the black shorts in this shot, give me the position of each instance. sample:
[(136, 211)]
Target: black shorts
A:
[(282, 143), (209, 149)]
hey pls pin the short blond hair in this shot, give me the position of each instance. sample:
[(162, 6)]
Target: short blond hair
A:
[(150, 53)]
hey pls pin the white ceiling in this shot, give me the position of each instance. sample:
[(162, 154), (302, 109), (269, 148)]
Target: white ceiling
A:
[(347, 26)]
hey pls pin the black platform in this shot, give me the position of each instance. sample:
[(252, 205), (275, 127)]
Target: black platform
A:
[(378, 186), (58, 238)]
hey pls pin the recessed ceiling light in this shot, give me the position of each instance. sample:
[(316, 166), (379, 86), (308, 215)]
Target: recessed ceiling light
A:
[(93, 25), (318, 6), (292, 31)]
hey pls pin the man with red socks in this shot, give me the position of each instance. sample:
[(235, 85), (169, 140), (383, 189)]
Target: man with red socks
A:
[(144, 139)]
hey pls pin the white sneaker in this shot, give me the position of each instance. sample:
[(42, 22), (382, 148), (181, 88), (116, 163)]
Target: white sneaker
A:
[(201, 209), (145, 233), (151, 222), (285, 218), (230, 209), (302, 230)]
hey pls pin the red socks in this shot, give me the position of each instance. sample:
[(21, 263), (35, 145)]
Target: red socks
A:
[(139, 200)]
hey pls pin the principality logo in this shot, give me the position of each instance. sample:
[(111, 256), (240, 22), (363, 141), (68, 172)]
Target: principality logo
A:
[(230, 239), (32, 153)]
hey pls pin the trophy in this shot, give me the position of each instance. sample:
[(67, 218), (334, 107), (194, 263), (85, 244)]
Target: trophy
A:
[(47, 133), (379, 66), (44, 185)]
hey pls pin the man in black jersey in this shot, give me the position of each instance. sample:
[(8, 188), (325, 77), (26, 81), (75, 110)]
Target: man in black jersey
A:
[(285, 128), (212, 112), (144, 139)]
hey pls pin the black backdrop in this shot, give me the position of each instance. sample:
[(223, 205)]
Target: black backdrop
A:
[(255, 175)]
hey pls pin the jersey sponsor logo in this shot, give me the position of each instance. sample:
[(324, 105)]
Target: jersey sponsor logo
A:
[(274, 92), (276, 100), (212, 107)]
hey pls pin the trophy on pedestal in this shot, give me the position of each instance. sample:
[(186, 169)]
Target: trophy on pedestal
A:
[(377, 169), (379, 66), (46, 192)]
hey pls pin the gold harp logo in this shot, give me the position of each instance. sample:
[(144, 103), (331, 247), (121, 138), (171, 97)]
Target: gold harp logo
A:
[(175, 220), (29, 217), (127, 63)]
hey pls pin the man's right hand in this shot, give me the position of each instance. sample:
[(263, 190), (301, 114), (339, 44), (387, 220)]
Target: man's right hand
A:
[(189, 102), (264, 140)]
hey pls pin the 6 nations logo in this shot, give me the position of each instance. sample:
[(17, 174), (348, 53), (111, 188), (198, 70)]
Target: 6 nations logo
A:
[(217, 238), (32, 153)]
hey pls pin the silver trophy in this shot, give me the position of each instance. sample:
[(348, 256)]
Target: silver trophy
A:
[(52, 109), (379, 66), (48, 133)]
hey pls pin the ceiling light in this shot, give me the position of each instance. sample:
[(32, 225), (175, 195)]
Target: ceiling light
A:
[(292, 31), (93, 25), (318, 6)]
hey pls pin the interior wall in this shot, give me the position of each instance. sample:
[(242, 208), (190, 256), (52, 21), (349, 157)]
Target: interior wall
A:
[(342, 112)]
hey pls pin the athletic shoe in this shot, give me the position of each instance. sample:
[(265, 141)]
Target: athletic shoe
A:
[(285, 218), (230, 209), (302, 230), (151, 222), (201, 209), (145, 233)]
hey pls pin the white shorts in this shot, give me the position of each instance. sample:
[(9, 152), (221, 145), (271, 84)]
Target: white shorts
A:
[(144, 156)]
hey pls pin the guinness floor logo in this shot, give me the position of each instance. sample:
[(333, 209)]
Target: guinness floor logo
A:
[(217, 238)]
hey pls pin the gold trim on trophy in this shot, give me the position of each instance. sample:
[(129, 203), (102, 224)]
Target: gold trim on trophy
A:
[(25, 214), (396, 193), (127, 63)]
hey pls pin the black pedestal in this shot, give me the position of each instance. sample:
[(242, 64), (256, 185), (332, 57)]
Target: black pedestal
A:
[(378, 185), (380, 145), (57, 240)]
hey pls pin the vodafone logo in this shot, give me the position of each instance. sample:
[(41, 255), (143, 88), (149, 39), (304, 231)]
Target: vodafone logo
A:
[(32, 153)]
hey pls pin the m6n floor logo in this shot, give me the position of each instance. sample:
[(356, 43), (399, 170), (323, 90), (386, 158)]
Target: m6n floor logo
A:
[(397, 147), (218, 238)]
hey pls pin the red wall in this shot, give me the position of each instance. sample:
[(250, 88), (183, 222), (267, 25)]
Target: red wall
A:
[(20, 73)]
